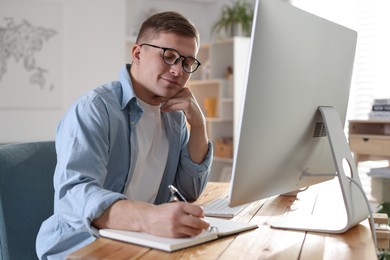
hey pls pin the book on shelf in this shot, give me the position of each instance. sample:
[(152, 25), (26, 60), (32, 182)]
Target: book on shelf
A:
[(380, 109), (382, 115), (381, 101), (383, 172), (220, 228)]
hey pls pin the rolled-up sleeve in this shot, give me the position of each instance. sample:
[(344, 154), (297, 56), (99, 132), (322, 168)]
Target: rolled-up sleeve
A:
[(191, 178)]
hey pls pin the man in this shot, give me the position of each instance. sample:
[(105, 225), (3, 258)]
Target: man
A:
[(121, 145)]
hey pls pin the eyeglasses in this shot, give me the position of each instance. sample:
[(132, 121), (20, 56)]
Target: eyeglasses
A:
[(171, 57)]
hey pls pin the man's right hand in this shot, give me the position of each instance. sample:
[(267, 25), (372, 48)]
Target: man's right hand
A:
[(177, 219)]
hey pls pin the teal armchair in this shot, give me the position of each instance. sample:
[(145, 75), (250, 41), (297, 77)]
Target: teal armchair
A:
[(26, 196)]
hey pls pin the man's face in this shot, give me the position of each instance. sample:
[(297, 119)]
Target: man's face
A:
[(154, 80)]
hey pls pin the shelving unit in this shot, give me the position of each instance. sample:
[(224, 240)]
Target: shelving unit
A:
[(370, 139), (212, 80)]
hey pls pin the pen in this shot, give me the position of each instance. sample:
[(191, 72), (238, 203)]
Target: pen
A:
[(176, 194)]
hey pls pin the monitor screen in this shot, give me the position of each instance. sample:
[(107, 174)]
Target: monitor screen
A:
[(298, 63)]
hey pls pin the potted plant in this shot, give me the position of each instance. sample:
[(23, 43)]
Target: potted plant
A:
[(235, 20)]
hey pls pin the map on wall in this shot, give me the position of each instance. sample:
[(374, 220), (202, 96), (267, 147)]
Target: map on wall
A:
[(30, 55)]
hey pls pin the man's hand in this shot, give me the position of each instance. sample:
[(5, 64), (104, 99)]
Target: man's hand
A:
[(185, 101), (177, 219), (198, 143)]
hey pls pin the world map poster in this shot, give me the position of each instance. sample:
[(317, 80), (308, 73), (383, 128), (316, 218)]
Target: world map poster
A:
[(30, 55)]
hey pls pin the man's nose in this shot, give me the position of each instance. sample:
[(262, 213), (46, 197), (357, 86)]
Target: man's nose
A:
[(177, 69)]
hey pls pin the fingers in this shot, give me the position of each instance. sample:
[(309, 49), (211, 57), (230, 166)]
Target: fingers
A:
[(188, 220), (183, 100), (191, 226), (186, 102), (174, 105), (193, 210), (191, 231)]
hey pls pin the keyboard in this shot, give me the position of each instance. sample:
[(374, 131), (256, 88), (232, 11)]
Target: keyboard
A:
[(219, 208)]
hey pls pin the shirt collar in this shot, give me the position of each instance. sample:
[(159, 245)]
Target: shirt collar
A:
[(127, 86)]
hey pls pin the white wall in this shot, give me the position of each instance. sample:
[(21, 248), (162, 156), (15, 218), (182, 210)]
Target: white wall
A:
[(203, 13), (92, 49)]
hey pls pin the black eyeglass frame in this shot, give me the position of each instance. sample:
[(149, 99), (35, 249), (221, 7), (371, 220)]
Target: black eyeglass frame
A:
[(180, 58)]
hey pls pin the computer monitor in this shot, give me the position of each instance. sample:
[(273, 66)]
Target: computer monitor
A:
[(294, 107)]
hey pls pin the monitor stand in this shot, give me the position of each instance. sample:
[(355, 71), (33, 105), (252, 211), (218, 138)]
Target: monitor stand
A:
[(356, 208)]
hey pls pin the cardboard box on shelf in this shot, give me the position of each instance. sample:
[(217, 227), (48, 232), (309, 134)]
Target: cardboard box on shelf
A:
[(224, 147)]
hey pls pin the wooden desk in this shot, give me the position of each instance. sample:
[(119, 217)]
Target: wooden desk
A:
[(264, 242)]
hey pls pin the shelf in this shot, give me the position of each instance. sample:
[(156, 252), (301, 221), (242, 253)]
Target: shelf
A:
[(212, 81), (373, 127), (216, 88), (369, 139), (222, 159), (218, 119)]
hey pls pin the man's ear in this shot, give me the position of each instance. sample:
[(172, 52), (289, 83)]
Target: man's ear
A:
[(135, 53)]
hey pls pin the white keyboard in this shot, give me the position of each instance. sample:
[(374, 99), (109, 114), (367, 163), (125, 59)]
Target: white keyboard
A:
[(219, 208)]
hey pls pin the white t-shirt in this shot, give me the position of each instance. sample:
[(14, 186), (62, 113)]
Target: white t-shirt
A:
[(152, 143)]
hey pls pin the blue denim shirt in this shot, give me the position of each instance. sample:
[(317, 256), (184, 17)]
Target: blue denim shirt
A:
[(94, 156)]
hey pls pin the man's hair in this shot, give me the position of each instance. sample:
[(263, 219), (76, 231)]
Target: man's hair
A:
[(166, 22)]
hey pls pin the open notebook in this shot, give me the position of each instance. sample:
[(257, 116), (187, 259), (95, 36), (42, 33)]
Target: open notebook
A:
[(222, 227)]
